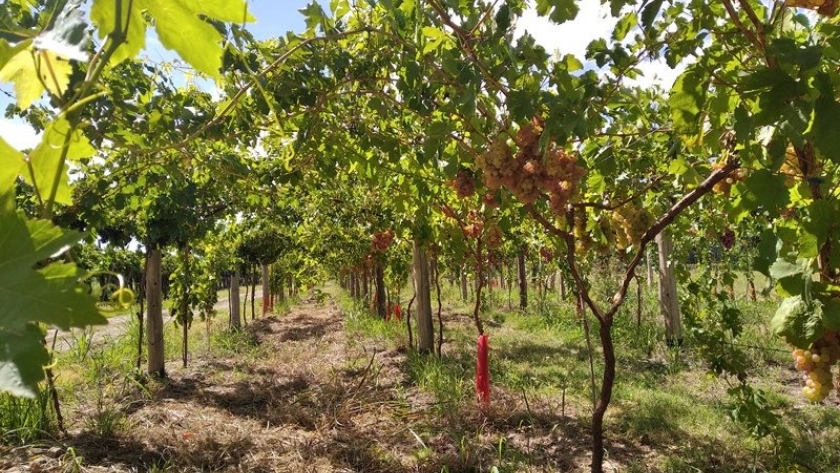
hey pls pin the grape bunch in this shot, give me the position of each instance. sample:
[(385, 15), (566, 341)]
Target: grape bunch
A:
[(583, 240), (490, 201), (493, 236), (724, 186), (474, 226), (727, 239), (382, 240), (547, 254), (629, 223), (464, 184), (815, 363), (529, 174)]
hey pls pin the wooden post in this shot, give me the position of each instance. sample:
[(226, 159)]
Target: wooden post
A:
[(154, 318), (266, 289), (235, 321), (668, 303), (464, 294)]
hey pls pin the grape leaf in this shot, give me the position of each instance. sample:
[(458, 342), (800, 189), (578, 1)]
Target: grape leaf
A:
[(687, 96), (798, 322), (33, 71), (831, 314), (11, 164), (558, 11), (22, 358), (180, 25), (52, 294), (103, 13), (46, 157), (7, 51)]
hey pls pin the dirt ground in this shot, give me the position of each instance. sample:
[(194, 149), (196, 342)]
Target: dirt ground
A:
[(315, 401)]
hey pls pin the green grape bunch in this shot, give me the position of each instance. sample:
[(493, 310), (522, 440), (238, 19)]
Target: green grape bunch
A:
[(816, 363)]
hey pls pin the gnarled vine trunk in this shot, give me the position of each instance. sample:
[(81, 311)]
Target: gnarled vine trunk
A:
[(425, 326)]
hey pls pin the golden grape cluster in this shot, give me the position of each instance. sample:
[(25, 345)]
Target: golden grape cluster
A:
[(816, 363), (629, 223), (583, 241), (382, 240), (724, 186), (529, 174), (493, 236)]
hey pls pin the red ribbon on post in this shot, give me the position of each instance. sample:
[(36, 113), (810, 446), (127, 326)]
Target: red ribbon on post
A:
[(398, 311), (482, 371)]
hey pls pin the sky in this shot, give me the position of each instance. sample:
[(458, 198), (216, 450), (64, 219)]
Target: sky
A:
[(276, 17)]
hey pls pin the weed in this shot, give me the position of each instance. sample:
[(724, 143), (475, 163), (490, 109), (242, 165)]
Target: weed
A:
[(24, 420)]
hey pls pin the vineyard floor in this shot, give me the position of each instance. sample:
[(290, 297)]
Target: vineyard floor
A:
[(325, 387)]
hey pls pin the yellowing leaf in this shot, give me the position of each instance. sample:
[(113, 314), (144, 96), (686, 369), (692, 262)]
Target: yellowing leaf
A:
[(34, 71)]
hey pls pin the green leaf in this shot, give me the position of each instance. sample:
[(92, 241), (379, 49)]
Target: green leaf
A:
[(46, 158), (687, 97), (762, 189), (798, 322), (22, 360), (7, 52), (315, 15), (824, 130), (503, 17), (558, 11), (180, 25), (617, 5), (767, 252), (11, 165), (52, 294), (650, 12), (784, 268), (624, 25), (822, 217), (181, 29), (103, 13), (831, 313)]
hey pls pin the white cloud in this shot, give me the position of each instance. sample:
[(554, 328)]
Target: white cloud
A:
[(18, 134)]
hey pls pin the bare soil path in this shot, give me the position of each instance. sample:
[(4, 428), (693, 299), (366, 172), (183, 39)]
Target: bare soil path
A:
[(309, 397)]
